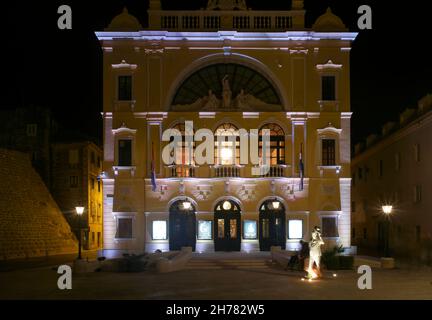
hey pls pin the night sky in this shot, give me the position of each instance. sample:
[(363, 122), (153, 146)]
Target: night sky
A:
[(391, 65)]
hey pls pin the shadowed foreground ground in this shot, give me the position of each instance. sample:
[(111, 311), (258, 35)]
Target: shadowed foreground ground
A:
[(256, 282)]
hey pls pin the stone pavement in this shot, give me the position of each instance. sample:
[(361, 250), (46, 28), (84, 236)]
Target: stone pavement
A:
[(244, 282)]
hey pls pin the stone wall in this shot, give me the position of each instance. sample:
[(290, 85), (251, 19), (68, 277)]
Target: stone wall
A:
[(31, 224)]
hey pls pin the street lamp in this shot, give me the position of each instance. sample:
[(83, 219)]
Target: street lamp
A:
[(387, 209), (79, 211)]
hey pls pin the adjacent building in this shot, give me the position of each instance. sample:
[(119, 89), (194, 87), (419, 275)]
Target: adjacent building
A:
[(225, 68), (393, 168), (76, 169), (30, 130)]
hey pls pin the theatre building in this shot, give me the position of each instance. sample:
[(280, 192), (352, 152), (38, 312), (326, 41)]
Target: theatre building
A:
[(225, 67)]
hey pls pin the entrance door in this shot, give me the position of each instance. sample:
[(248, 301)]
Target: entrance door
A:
[(182, 225), (227, 226), (272, 228)]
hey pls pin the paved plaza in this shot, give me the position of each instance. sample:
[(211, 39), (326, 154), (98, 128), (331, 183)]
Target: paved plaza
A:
[(210, 277)]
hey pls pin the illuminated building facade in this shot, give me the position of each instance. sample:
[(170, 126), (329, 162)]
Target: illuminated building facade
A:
[(226, 68), (392, 169)]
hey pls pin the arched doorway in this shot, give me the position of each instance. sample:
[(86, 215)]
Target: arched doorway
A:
[(272, 229), (227, 226), (182, 225)]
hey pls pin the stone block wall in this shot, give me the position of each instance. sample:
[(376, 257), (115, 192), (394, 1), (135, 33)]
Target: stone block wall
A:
[(31, 224)]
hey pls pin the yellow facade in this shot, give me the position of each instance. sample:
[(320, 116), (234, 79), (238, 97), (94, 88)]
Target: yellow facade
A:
[(292, 60)]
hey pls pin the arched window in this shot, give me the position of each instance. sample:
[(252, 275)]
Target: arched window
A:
[(228, 151), (277, 143), (185, 160)]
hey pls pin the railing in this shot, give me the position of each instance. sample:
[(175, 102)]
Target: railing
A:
[(221, 171), (276, 171), (181, 171), (228, 20)]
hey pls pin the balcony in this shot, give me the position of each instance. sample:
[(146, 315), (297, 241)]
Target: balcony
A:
[(223, 171), (180, 171), (276, 171)]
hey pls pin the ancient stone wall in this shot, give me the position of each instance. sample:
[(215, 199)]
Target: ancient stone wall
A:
[(31, 224)]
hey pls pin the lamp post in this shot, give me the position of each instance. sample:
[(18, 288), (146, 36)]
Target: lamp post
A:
[(387, 209), (79, 211)]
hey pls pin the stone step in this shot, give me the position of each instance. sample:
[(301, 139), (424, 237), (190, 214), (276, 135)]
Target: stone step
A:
[(227, 264)]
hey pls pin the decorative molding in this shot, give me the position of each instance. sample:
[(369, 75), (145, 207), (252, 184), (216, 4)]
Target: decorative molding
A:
[(124, 65), (329, 128), (328, 65), (124, 129), (153, 51)]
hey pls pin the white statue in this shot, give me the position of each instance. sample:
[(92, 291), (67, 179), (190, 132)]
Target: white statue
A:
[(226, 92), (315, 253)]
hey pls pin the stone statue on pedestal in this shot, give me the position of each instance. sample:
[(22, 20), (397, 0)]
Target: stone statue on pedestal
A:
[(315, 253)]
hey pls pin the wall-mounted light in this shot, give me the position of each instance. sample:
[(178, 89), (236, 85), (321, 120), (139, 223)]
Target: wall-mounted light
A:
[(226, 205), (387, 209), (276, 204), (187, 205)]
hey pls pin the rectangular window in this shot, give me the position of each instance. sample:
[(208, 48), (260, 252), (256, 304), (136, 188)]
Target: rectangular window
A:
[(381, 168), (32, 130), (125, 153), (124, 228), (250, 229), (205, 229), (329, 227), (73, 181), (73, 156), (295, 229), (98, 239), (397, 161), (328, 87), (99, 186), (417, 152), (125, 88), (159, 230), (328, 152), (417, 193), (92, 181)]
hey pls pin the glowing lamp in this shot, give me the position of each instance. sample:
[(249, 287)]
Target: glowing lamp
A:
[(79, 210), (387, 209), (187, 205), (226, 205), (276, 204)]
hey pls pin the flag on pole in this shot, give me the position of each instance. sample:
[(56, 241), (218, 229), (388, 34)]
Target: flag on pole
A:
[(153, 172), (301, 167)]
